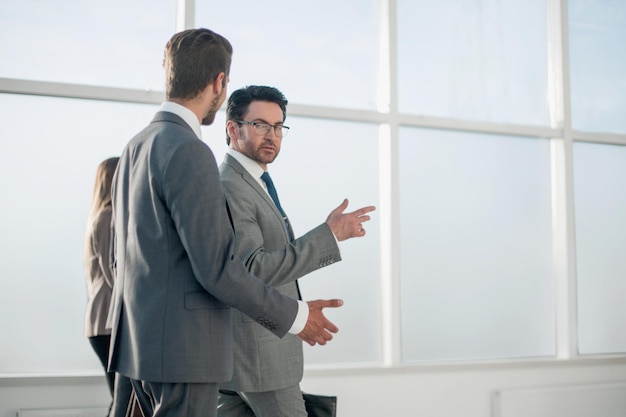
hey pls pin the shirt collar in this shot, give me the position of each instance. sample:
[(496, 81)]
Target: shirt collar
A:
[(183, 112), (249, 165)]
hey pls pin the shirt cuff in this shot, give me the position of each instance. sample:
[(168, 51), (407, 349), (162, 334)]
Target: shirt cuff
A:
[(336, 241), (301, 318)]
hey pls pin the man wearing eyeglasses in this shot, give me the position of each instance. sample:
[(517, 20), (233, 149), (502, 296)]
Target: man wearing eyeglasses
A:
[(268, 370), (177, 271)]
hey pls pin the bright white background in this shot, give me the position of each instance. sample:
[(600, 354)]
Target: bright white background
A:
[(477, 218)]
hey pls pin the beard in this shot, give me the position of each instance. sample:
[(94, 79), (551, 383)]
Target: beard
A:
[(209, 118), (264, 157), (215, 106)]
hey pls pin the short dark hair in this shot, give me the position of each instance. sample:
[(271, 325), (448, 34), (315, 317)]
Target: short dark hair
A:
[(240, 100), (193, 59)]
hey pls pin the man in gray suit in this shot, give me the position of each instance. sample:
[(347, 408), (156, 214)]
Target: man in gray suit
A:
[(268, 370), (177, 271)]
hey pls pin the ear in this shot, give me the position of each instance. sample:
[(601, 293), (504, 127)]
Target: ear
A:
[(233, 131), (218, 83)]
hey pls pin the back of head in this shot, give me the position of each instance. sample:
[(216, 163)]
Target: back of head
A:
[(102, 186), (240, 100), (193, 59)]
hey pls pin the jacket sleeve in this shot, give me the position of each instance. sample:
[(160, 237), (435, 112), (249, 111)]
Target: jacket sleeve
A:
[(198, 208), (261, 240)]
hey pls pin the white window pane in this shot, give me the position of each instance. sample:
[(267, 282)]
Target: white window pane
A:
[(600, 207), (597, 33), (306, 49), (474, 61), (475, 255), (320, 164), (47, 170), (115, 43)]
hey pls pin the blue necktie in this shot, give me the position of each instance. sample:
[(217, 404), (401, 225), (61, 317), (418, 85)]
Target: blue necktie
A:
[(272, 192)]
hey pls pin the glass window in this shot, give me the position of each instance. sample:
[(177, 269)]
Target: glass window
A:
[(321, 163), (600, 210), (47, 171), (475, 246), (597, 31), (304, 48), (474, 61), (114, 43)]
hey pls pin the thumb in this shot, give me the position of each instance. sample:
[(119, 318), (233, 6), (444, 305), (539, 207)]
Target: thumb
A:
[(343, 206), (320, 304)]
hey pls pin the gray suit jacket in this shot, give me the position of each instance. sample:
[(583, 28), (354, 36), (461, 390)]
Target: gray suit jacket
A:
[(176, 266), (264, 362)]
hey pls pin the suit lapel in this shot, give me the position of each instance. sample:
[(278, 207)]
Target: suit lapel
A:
[(249, 179), (245, 175)]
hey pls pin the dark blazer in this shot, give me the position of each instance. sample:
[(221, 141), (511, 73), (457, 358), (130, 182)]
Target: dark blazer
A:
[(176, 266), (264, 362)]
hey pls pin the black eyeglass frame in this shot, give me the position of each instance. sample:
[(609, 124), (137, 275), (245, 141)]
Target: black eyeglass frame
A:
[(278, 128)]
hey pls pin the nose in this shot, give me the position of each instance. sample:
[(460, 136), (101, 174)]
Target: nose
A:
[(272, 132)]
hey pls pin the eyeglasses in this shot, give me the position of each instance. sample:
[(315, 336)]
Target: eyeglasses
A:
[(262, 129)]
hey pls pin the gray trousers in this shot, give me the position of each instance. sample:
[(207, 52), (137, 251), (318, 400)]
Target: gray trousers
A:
[(121, 396), (176, 400), (286, 402)]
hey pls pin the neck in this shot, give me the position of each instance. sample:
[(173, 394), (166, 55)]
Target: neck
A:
[(192, 104)]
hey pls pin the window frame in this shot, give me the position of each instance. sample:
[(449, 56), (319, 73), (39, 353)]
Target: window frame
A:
[(387, 117)]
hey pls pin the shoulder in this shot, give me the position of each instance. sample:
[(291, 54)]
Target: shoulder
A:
[(101, 226), (231, 172), (176, 146), (233, 183), (103, 217)]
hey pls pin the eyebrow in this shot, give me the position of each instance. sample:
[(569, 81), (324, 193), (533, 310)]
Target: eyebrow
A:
[(266, 122)]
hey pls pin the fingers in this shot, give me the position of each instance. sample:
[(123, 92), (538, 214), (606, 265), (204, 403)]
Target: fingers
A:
[(356, 213), (316, 307), (348, 225), (341, 208), (363, 210), (361, 217), (320, 304), (316, 339), (320, 337), (360, 214), (318, 329)]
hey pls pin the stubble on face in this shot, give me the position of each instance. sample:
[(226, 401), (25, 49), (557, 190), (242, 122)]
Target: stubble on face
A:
[(216, 103), (262, 149)]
